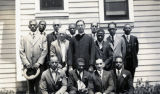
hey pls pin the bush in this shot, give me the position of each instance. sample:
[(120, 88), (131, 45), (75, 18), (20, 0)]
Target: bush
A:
[(146, 88)]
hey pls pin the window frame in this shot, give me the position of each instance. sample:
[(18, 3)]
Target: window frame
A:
[(51, 13), (101, 13)]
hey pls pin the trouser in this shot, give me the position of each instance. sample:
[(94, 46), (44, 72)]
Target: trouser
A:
[(33, 85)]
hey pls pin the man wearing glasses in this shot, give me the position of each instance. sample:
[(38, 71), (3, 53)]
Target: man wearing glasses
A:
[(115, 46), (60, 48), (53, 80), (52, 37), (101, 81)]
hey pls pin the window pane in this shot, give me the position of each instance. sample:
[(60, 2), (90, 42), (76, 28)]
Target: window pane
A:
[(116, 10), (51, 5)]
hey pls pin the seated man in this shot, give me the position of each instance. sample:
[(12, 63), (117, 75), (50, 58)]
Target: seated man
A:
[(53, 80), (78, 79), (122, 78), (101, 81)]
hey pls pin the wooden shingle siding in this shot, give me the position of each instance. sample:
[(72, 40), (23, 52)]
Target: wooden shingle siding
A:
[(146, 28), (7, 45)]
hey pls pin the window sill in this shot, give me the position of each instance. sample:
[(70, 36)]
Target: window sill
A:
[(52, 14)]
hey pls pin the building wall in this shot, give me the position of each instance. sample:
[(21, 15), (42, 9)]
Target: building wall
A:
[(7, 45), (146, 28)]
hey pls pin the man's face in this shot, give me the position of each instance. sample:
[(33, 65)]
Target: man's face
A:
[(56, 27), (127, 29), (42, 26), (94, 28), (112, 29), (33, 26), (80, 27), (54, 63), (80, 66), (100, 36), (99, 64), (72, 29), (62, 36), (119, 63)]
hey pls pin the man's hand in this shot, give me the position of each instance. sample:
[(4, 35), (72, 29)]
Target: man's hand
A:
[(98, 93), (28, 65), (70, 68), (91, 69), (36, 65)]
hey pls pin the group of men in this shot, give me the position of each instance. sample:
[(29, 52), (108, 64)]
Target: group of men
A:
[(80, 63)]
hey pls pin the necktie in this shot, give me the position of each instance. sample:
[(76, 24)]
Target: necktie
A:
[(33, 35), (113, 40), (127, 38), (118, 73)]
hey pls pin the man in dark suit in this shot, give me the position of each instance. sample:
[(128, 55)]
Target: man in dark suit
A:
[(132, 48), (52, 37), (42, 27), (101, 80), (100, 44), (78, 79), (33, 50), (82, 46), (60, 48), (122, 78), (53, 80), (115, 46)]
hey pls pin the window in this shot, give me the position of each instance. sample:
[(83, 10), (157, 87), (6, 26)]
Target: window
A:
[(116, 10), (45, 8)]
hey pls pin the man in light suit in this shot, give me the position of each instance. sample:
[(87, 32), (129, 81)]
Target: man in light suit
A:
[(78, 79), (60, 48), (52, 36), (53, 80), (33, 50), (115, 46), (132, 46), (101, 81), (122, 78)]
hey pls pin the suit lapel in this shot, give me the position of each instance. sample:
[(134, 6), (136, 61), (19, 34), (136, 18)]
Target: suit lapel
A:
[(116, 41), (59, 48), (121, 80), (50, 77), (98, 77), (57, 77), (66, 46), (110, 42), (37, 37)]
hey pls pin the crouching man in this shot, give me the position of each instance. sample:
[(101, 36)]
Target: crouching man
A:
[(78, 79), (101, 80), (53, 80)]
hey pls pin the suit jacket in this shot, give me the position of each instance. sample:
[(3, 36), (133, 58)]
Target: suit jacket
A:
[(33, 50), (111, 51), (99, 53), (123, 83), (50, 38), (104, 85), (55, 50), (82, 47), (50, 86), (134, 51), (74, 77)]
